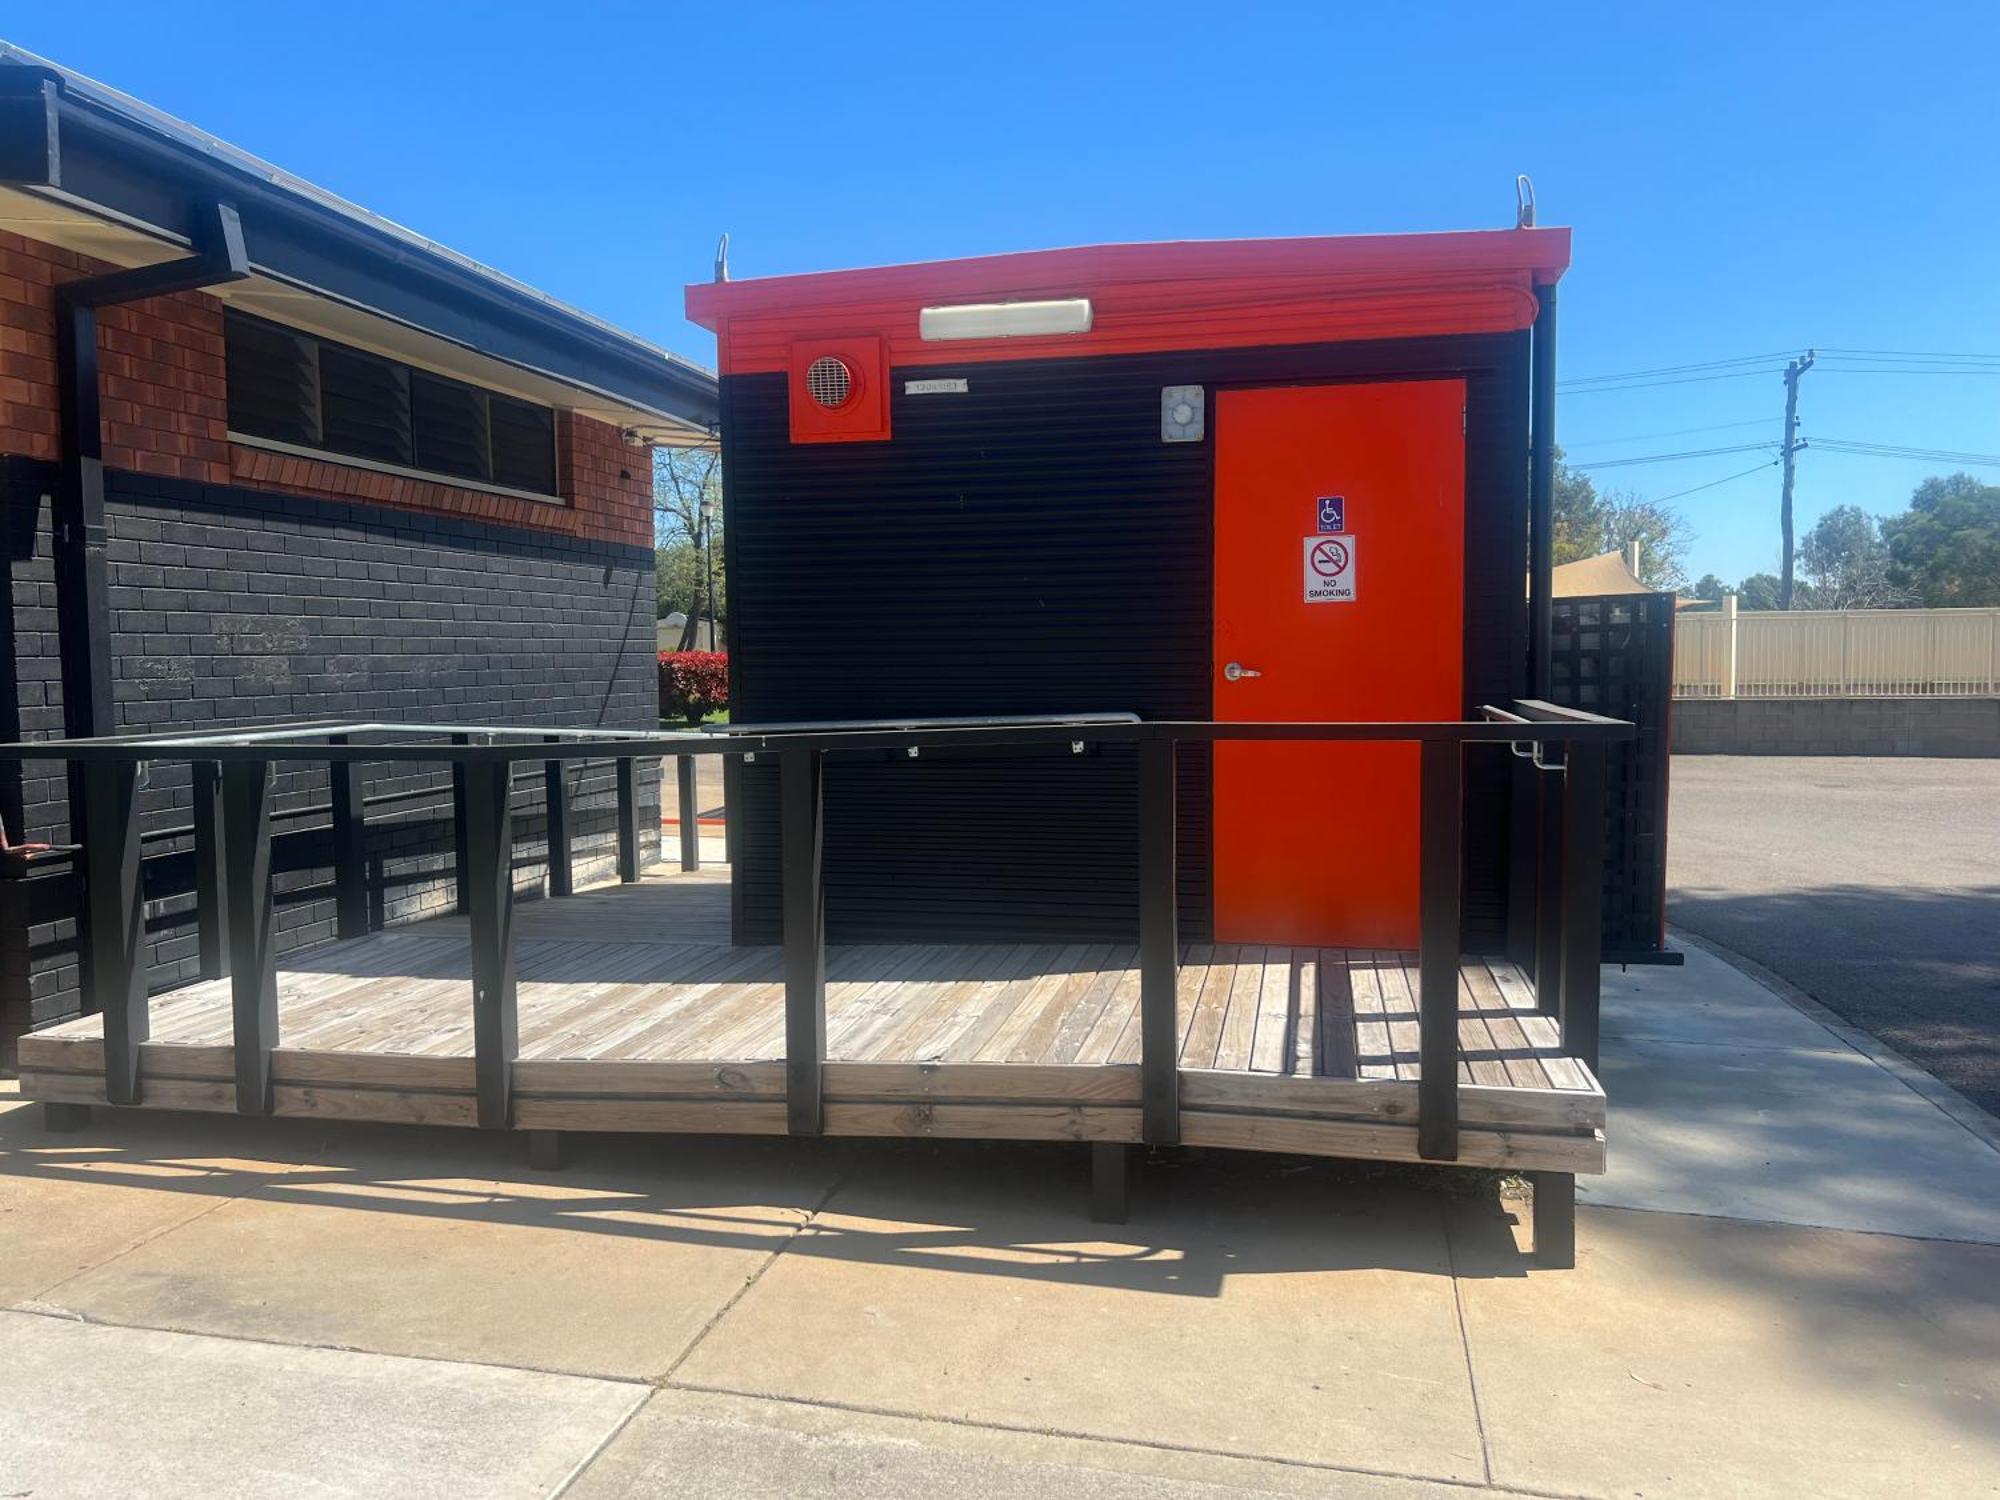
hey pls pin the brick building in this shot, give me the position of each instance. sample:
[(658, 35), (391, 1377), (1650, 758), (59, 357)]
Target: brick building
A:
[(265, 455)]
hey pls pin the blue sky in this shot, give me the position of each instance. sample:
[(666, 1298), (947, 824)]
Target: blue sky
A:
[(1741, 179)]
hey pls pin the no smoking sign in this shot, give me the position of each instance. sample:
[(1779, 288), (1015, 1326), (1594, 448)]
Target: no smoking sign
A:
[(1329, 569)]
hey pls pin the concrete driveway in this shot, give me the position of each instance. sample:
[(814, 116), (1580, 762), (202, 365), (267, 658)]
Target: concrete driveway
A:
[(1871, 884), (202, 1306)]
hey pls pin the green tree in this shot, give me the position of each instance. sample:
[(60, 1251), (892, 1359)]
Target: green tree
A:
[(1579, 514), (1758, 591), (687, 535), (1846, 562), (1588, 524), (1945, 549)]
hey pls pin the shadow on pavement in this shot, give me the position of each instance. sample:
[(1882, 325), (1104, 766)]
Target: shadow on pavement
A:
[(1918, 968), (1011, 1210)]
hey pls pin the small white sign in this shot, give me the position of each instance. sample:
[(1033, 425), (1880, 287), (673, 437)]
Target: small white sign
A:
[(955, 386), (1330, 569)]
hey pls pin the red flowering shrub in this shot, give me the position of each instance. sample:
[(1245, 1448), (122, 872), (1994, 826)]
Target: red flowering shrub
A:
[(693, 684)]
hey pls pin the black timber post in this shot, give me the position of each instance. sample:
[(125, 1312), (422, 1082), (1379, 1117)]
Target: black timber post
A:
[(684, 788), (555, 794), (628, 820), (350, 875), (1541, 494), (489, 883), (1524, 832), (253, 938), (1441, 831), (1582, 897), (211, 881), (1548, 967), (459, 857), (117, 915), (800, 796), (1159, 947)]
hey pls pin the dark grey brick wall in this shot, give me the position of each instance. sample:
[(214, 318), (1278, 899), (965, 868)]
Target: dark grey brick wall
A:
[(1948, 727), (234, 607)]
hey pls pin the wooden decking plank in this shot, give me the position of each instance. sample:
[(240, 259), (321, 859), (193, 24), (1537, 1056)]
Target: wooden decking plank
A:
[(941, 1039), (650, 1019), (1275, 1033), (997, 1002), (1543, 1034), (1033, 1043), (574, 1010), (1516, 1056), (1031, 994), (1399, 1007), (1120, 965), (1375, 1050), (1480, 1055), (1306, 1044), (1120, 1012), (854, 1004), (1210, 1009), (1239, 1024), (1337, 1042), (857, 1029)]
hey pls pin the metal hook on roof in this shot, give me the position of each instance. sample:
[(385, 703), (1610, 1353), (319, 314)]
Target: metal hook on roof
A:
[(1524, 201), (722, 257)]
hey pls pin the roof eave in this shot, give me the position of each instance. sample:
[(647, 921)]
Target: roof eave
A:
[(61, 135)]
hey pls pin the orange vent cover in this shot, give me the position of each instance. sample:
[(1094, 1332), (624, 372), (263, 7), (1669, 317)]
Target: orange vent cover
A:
[(839, 391)]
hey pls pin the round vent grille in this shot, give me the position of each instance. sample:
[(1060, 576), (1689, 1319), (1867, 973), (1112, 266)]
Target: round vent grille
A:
[(829, 381)]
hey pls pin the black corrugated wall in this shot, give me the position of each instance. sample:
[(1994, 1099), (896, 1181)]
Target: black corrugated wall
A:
[(1031, 546)]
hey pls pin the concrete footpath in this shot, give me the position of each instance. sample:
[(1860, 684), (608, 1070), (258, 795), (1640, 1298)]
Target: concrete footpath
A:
[(1789, 1284)]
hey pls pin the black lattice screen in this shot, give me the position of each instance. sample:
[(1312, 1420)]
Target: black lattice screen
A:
[(1614, 654)]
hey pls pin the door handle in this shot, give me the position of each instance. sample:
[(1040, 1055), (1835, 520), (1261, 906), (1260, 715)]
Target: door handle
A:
[(1236, 671)]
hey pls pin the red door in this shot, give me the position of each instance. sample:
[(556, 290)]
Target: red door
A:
[(1361, 620)]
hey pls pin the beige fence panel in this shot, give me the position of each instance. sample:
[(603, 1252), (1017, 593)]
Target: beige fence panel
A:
[(1860, 653)]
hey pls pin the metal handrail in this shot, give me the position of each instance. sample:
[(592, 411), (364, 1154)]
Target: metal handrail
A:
[(233, 834)]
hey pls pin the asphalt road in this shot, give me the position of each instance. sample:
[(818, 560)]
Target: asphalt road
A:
[(1871, 884)]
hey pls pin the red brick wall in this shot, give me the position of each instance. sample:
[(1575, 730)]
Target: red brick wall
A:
[(165, 407)]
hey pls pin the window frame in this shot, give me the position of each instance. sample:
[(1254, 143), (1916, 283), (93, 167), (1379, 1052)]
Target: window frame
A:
[(407, 378)]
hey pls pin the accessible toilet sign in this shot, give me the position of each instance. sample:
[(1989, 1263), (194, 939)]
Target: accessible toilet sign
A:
[(1330, 569)]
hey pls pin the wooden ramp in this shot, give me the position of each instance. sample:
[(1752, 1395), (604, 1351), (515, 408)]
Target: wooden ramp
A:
[(636, 1014)]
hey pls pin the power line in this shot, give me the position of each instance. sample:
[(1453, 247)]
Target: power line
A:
[(1910, 370), (1900, 450), (1725, 479), (1641, 385), (1907, 354), (1641, 437), (1707, 364), (1662, 458)]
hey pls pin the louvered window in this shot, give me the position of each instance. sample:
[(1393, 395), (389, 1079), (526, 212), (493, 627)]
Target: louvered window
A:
[(309, 392)]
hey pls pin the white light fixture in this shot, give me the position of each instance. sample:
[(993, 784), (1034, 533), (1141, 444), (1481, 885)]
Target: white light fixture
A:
[(1004, 320)]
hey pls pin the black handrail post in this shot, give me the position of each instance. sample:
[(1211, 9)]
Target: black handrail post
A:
[(117, 908), (555, 796), (1582, 898), (211, 882), (800, 797), (1159, 947), (628, 820), (732, 798), (685, 795), (253, 957), (1524, 792), (462, 898), (496, 1031), (350, 875), (1440, 835), (1548, 965)]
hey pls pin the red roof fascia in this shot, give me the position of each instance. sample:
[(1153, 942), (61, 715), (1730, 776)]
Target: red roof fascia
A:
[(1345, 262)]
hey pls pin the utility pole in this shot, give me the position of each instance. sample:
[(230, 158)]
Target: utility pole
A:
[(1791, 447)]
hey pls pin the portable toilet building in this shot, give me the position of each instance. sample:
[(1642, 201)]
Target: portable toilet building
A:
[(1239, 480)]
